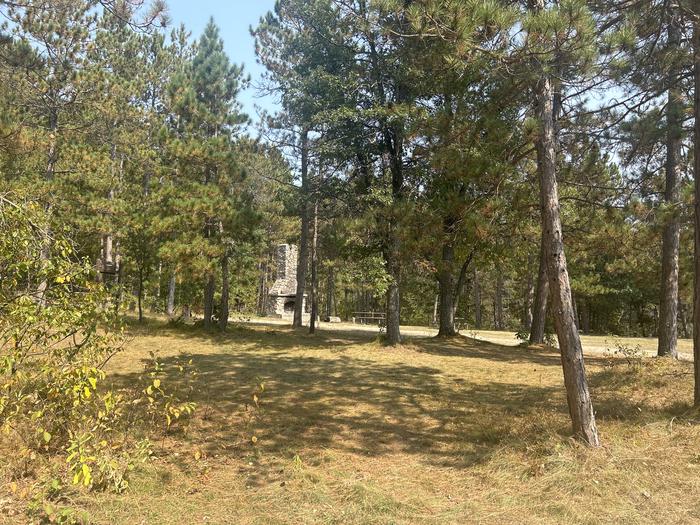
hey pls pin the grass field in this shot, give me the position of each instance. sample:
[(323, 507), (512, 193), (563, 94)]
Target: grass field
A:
[(592, 344), (434, 432)]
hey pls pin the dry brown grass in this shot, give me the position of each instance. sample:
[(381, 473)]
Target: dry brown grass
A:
[(434, 432)]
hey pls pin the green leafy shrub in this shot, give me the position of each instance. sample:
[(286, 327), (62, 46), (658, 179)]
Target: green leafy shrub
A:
[(632, 354), (58, 330), (56, 333), (524, 337), (168, 405)]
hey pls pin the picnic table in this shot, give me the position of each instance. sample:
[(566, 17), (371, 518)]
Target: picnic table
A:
[(378, 318)]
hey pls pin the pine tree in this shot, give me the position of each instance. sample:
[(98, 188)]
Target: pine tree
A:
[(541, 21), (207, 118), (696, 206), (655, 59)]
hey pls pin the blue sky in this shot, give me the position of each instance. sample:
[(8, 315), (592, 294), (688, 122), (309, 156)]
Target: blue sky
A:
[(234, 18)]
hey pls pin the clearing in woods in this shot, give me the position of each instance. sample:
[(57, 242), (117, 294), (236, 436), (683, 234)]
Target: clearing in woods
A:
[(434, 431)]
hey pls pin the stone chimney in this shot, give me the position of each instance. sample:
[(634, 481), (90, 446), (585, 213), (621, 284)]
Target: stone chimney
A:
[(283, 292), (287, 261), (286, 283)]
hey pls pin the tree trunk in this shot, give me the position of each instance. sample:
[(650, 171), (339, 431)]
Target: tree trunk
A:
[(578, 396), (393, 152), (498, 301), (120, 288), (51, 160), (436, 306), (585, 313), (477, 300), (528, 297), (461, 284), (44, 257), (170, 307), (263, 300), (446, 310), (209, 289), (155, 305), (224, 307), (683, 319), (446, 317), (539, 309), (330, 292), (303, 258), (314, 272), (668, 303), (140, 294), (106, 260), (393, 264), (393, 311), (109, 253), (346, 304), (260, 303), (696, 256)]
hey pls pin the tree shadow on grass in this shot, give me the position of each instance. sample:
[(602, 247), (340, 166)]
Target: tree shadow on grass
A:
[(644, 393), (339, 401), (612, 381), (273, 336), (468, 347)]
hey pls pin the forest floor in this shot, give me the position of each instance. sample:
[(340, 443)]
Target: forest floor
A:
[(432, 432)]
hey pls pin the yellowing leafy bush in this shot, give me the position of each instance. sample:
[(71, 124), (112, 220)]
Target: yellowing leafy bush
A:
[(57, 331)]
